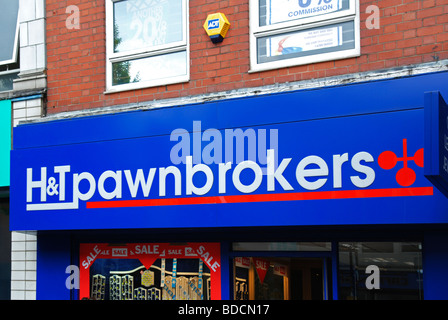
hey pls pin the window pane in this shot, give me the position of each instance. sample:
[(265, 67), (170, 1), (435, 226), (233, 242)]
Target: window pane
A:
[(276, 11), (8, 25), (399, 266), (150, 271), (166, 279), (6, 81), (151, 68), (336, 37), (141, 24)]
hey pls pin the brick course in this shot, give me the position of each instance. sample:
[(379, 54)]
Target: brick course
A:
[(411, 32)]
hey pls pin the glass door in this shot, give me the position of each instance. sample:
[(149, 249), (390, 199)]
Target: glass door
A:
[(307, 282), (281, 278)]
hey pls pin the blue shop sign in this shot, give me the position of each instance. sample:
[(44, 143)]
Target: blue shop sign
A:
[(194, 166), (436, 140)]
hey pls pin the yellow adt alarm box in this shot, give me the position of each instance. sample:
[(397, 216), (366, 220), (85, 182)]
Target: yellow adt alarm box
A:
[(216, 26)]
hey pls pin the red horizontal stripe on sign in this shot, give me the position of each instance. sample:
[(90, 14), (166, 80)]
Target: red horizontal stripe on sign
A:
[(296, 196)]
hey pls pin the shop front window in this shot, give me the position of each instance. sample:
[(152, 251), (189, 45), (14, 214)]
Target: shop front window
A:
[(282, 270), (380, 271), (155, 271)]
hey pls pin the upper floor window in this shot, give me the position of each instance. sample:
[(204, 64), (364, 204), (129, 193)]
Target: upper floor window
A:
[(9, 62), (296, 32), (147, 43)]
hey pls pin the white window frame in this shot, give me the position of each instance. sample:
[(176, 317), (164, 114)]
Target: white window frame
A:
[(257, 31), (152, 51), (15, 49)]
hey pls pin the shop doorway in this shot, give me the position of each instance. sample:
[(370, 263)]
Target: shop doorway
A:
[(281, 278), (307, 281)]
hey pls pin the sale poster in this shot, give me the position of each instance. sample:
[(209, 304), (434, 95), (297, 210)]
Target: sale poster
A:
[(262, 267), (150, 271)]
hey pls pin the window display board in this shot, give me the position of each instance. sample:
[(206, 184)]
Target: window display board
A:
[(150, 271)]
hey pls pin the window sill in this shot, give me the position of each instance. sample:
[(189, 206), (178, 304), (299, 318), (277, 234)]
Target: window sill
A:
[(332, 56)]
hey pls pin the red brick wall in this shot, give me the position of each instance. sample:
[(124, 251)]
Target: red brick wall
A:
[(411, 32)]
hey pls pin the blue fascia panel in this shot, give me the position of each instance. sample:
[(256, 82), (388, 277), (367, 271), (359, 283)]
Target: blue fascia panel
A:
[(303, 105)]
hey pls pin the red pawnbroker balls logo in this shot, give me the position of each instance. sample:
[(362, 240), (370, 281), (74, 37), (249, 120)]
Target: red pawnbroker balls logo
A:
[(405, 176)]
